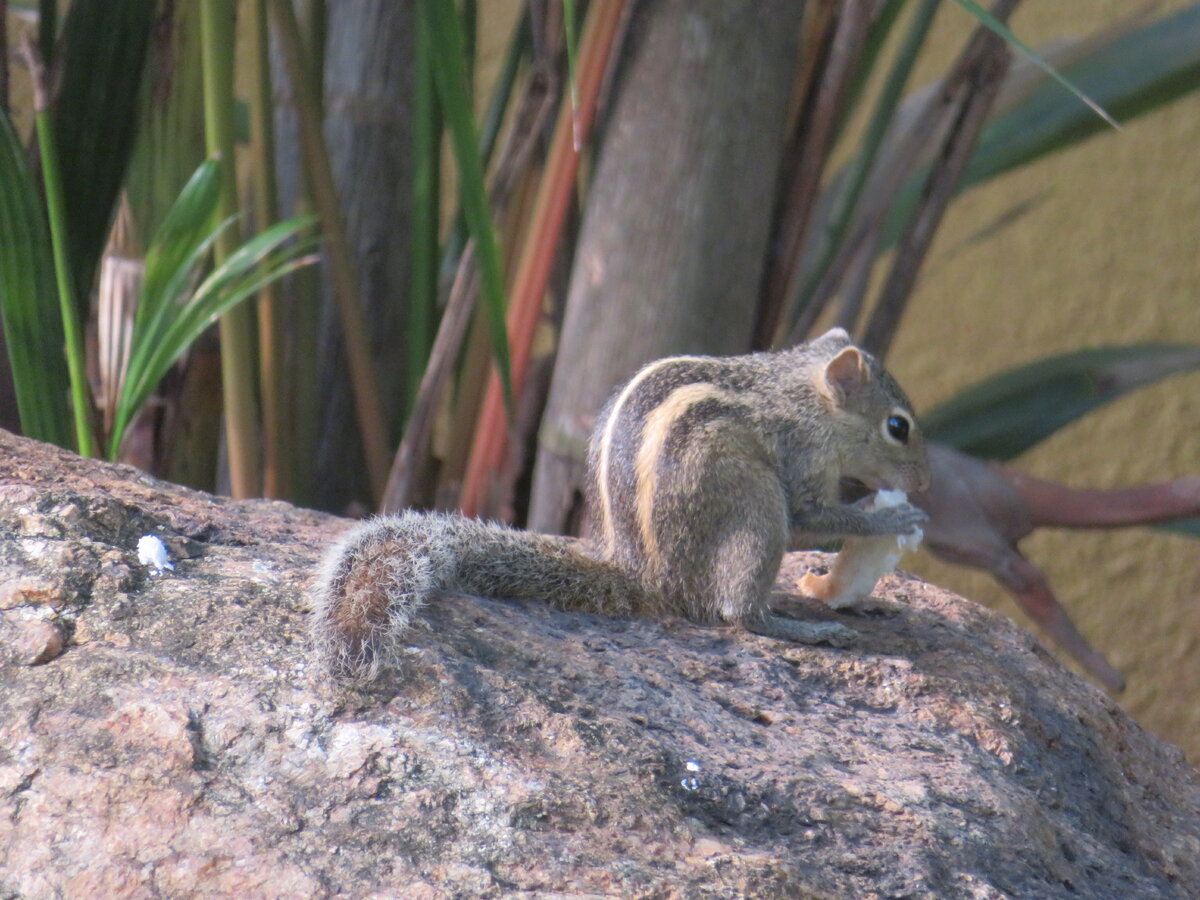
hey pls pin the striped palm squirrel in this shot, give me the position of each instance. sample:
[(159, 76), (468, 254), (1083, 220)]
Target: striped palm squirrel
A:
[(702, 472)]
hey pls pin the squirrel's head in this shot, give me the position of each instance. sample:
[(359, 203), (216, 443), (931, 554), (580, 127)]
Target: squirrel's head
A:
[(873, 423)]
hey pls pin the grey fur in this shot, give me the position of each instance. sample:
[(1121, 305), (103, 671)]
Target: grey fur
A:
[(702, 471), (420, 555)]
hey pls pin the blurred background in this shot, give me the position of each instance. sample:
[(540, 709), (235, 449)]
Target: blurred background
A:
[(450, 229), (1105, 254)]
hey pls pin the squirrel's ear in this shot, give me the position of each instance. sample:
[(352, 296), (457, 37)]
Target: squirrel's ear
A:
[(835, 334), (843, 375)]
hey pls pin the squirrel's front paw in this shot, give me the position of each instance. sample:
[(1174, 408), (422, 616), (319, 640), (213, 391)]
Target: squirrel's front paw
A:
[(900, 519)]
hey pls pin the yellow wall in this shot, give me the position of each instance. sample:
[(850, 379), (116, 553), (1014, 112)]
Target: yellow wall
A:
[(1110, 254)]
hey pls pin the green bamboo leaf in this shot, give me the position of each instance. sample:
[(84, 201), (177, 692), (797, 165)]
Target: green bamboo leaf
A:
[(184, 236), (250, 255), (159, 342), (179, 249), (1003, 30), (190, 313), (196, 315), (149, 362), (1005, 415), (156, 311), (159, 306), (450, 71), (203, 310), (170, 141), (28, 303), (1136, 73), (96, 118), (519, 48)]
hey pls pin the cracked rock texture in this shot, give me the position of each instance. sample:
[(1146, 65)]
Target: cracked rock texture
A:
[(165, 735)]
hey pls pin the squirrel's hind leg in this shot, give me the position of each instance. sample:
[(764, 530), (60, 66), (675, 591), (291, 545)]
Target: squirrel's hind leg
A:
[(744, 570), (746, 562)]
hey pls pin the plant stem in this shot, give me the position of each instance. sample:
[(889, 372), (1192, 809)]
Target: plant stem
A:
[(427, 152), (80, 402), (533, 267), (451, 330), (319, 172), (970, 89), (847, 199), (56, 212), (272, 375), (451, 76), (837, 34), (489, 131), (217, 40), (313, 22)]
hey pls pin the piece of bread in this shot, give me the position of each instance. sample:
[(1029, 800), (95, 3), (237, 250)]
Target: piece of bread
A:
[(862, 561)]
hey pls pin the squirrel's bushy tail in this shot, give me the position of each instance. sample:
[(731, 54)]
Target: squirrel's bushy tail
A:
[(382, 571)]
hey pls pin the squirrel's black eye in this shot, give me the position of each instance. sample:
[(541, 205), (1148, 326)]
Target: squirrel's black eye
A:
[(897, 428)]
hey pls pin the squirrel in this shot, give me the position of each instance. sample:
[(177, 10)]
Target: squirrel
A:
[(702, 471)]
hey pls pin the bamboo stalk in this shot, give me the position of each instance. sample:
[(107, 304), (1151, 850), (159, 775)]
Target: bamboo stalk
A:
[(272, 375), (305, 292), (346, 290), (436, 377), (426, 197), (314, 25), (513, 159), (830, 43), (521, 135), (515, 172), (217, 41), (533, 271)]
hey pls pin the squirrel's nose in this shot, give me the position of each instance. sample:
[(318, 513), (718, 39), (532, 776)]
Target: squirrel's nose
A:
[(925, 480)]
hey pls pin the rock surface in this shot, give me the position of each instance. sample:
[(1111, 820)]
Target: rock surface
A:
[(178, 742)]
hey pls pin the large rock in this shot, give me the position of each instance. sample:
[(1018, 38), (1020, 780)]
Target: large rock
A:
[(166, 735)]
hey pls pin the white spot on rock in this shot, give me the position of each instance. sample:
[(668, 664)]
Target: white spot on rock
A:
[(152, 552)]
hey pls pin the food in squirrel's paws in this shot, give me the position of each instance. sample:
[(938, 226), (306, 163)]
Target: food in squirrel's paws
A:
[(862, 560)]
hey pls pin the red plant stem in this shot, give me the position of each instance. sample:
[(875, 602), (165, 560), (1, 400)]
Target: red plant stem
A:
[(533, 271), (1059, 506)]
